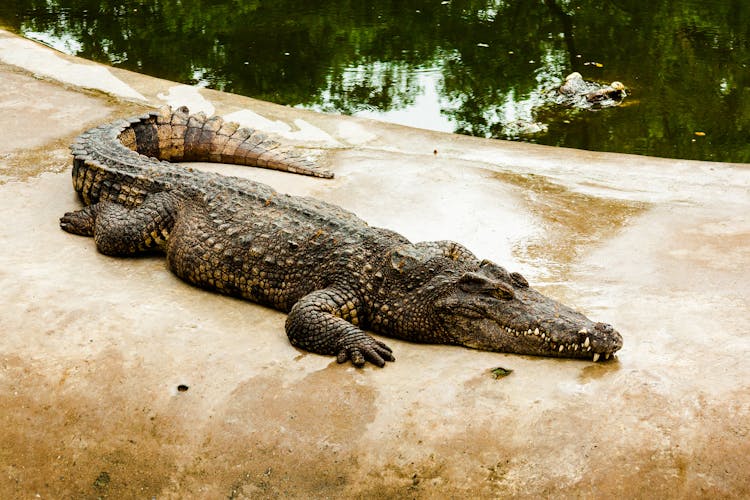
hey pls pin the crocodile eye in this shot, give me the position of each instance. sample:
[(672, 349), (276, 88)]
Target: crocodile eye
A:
[(496, 271), (503, 291), (478, 284), (473, 282)]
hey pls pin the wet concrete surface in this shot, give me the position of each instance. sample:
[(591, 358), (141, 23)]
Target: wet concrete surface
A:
[(95, 350)]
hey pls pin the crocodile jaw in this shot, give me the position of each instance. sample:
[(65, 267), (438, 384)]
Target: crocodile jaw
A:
[(531, 324), (599, 341)]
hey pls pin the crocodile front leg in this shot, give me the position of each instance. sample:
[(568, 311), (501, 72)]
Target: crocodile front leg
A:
[(122, 231), (316, 323)]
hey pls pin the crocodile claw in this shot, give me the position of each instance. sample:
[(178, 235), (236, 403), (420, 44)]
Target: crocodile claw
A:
[(374, 351), (80, 222)]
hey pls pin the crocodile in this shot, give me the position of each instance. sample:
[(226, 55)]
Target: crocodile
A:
[(336, 276), (578, 93)]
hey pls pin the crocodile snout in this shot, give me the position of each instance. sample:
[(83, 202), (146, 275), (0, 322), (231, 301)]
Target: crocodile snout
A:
[(604, 327)]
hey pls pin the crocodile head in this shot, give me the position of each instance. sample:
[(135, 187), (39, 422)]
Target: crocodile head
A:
[(494, 310)]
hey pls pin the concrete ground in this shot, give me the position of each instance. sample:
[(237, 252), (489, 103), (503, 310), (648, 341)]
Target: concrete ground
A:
[(94, 348)]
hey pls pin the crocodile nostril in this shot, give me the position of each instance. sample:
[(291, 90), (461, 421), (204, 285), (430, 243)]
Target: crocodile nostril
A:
[(604, 327)]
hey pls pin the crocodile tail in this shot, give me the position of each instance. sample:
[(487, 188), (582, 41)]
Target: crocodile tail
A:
[(175, 135), (103, 168)]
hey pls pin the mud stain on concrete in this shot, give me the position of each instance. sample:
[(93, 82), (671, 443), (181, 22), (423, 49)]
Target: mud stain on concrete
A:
[(29, 149), (63, 437), (573, 450), (98, 430), (571, 222), (288, 439)]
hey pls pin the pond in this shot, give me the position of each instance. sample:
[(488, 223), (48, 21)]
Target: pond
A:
[(475, 67)]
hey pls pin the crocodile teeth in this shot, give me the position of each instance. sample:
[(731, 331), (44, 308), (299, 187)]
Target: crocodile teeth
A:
[(561, 348), (583, 331), (596, 357), (588, 341), (536, 331), (606, 356)]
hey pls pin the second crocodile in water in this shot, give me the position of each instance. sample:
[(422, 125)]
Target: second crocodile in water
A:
[(334, 275)]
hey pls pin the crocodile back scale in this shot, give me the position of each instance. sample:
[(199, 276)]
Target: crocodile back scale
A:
[(335, 276)]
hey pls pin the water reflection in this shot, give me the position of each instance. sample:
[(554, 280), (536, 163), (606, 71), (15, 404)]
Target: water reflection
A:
[(471, 66), (423, 109)]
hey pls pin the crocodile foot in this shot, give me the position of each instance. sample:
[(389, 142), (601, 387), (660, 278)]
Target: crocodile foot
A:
[(364, 348), (79, 222)]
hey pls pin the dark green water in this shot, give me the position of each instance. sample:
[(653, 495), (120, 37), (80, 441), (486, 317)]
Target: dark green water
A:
[(470, 66)]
